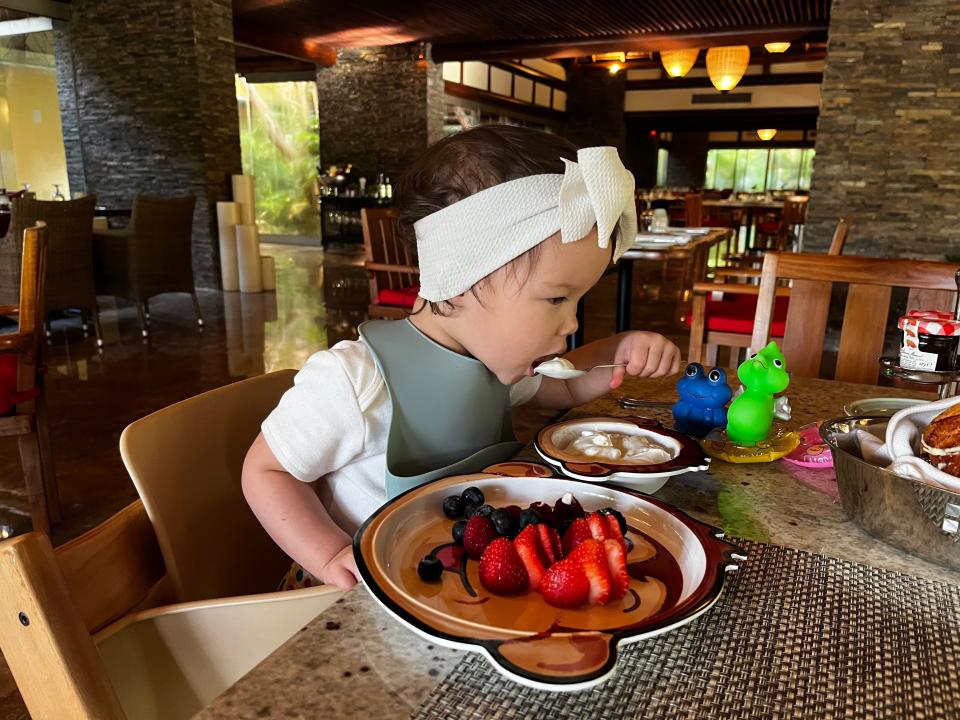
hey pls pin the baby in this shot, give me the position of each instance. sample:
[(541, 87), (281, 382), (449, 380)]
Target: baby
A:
[(513, 226)]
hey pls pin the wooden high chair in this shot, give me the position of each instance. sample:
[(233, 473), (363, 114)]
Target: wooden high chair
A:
[(20, 352), (85, 629), (391, 266)]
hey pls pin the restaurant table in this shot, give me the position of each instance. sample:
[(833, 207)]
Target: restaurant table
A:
[(355, 661), (750, 206), (664, 247)]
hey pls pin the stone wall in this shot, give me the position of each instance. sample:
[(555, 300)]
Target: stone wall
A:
[(888, 147), (380, 107), (595, 107), (148, 106)]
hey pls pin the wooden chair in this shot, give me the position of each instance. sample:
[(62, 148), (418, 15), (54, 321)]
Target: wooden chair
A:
[(391, 266), (722, 313), (153, 255), (86, 629), (21, 363), (694, 209), (784, 232), (870, 282)]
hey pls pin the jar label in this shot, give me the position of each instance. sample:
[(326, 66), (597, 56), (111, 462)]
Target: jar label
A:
[(912, 358)]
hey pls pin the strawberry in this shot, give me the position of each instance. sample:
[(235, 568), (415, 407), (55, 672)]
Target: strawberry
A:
[(590, 555), (599, 528), (617, 565), (550, 542), (531, 554), (477, 535), (565, 585), (578, 531), (613, 527), (501, 570)]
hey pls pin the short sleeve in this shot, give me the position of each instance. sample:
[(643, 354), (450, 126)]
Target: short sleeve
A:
[(522, 392), (319, 426)]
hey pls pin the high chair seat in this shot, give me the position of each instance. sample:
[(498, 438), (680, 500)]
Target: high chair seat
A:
[(405, 297), (735, 314)]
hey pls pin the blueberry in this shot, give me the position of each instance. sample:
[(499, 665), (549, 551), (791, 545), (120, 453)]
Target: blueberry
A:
[(453, 506), (485, 510), (470, 510), (528, 517), (472, 496), (458, 528), (502, 521), (430, 569), (621, 520)]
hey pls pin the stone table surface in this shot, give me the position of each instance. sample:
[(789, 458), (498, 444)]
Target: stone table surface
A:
[(355, 661)]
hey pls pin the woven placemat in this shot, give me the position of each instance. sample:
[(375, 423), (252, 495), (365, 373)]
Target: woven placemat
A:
[(794, 635)]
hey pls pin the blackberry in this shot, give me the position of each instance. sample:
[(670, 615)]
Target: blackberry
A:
[(458, 528), (485, 510), (472, 496), (453, 506), (503, 521), (430, 569), (528, 517)]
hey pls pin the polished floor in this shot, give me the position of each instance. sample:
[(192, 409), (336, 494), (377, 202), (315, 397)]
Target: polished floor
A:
[(92, 395)]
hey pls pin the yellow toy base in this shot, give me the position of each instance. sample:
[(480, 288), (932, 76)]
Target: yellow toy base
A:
[(780, 442)]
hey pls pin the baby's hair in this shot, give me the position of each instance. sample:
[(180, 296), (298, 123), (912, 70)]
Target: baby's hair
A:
[(466, 163)]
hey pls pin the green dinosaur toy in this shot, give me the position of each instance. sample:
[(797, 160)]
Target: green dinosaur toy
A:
[(750, 416)]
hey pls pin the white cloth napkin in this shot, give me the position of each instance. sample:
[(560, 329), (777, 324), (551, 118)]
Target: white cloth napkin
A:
[(900, 452)]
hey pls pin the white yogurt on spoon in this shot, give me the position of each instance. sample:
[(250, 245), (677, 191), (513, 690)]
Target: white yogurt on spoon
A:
[(558, 368)]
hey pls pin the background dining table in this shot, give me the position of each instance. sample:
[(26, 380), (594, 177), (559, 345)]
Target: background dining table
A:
[(355, 661)]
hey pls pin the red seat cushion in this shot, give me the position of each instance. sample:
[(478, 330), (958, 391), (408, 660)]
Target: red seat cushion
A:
[(768, 228), (8, 382), (404, 297), (717, 222), (735, 314)]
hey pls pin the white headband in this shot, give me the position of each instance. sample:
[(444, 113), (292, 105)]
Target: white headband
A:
[(466, 241)]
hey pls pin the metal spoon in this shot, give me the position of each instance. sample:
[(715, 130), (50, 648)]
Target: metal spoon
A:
[(561, 372)]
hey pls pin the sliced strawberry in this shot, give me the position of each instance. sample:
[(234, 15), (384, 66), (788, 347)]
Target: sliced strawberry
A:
[(501, 570), (477, 535), (565, 585), (617, 565), (531, 554), (613, 527), (599, 528), (550, 543), (592, 558), (578, 531)]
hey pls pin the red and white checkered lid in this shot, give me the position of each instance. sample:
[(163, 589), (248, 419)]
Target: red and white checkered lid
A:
[(929, 322)]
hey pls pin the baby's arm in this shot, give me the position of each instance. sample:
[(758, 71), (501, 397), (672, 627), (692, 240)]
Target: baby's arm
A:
[(295, 518)]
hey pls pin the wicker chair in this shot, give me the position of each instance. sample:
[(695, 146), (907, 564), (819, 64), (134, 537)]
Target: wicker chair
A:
[(153, 255), (69, 255)]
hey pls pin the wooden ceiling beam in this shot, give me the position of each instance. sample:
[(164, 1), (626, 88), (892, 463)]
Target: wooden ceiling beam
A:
[(290, 46), (578, 47)]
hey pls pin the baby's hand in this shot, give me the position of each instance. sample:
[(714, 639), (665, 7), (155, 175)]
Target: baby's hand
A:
[(646, 354), (341, 570)]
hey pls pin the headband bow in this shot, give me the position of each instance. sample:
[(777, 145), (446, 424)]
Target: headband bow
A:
[(462, 243)]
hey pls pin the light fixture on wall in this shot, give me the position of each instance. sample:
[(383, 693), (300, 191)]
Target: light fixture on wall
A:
[(776, 47), (726, 65), (615, 68), (677, 63), (766, 134)]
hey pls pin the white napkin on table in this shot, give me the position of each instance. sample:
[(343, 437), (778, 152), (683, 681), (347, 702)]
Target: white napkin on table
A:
[(900, 452)]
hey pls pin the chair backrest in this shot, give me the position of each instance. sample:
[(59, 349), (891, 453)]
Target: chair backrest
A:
[(694, 209), (185, 462), (33, 273), (53, 601), (162, 228), (839, 238), (870, 282), (390, 264), (69, 247)]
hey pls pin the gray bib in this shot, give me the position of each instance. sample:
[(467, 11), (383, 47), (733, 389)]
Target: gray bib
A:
[(451, 415)]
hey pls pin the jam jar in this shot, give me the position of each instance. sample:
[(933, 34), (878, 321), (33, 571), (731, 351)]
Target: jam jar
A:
[(930, 340)]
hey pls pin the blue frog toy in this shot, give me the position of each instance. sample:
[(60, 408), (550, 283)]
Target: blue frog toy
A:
[(703, 399)]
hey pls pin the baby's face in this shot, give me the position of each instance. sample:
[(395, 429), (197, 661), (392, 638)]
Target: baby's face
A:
[(520, 319)]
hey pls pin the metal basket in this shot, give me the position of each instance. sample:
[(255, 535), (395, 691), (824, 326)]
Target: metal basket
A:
[(918, 518)]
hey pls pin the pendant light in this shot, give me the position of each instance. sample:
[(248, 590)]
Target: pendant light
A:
[(726, 65), (776, 47), (677, 63), (766, 134)]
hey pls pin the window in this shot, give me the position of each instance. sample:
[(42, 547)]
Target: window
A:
[(759, 169)]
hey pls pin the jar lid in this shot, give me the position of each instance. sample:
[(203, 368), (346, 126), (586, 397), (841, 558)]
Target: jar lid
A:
[(930, 322)]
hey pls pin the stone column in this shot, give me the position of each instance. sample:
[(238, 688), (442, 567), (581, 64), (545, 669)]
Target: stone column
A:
[(148, 106), (380, 107), (888, 150), (595, 101)]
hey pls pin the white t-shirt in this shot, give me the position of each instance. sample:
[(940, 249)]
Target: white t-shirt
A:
[(333, 424)]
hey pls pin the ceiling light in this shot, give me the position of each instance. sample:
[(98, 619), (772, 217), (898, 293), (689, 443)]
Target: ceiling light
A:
[(776, 47), (615, 68), (677, 63), (726, 65), (766, 134)]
